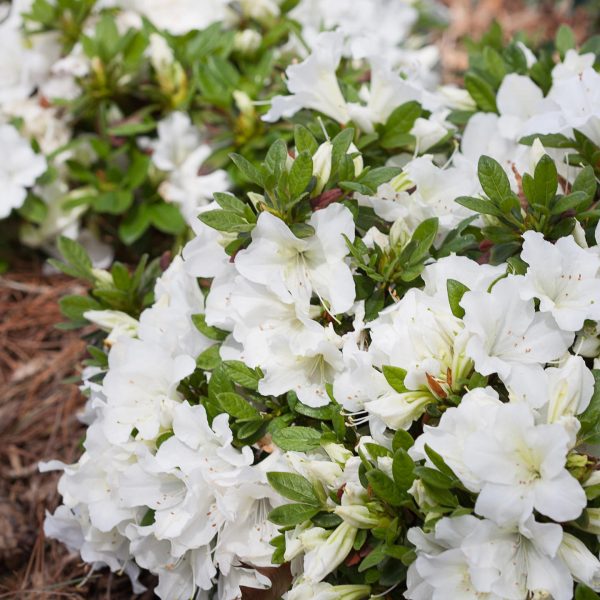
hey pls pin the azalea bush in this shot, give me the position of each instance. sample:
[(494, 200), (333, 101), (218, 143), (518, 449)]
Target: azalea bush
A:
[(117, 118), (371, 373)]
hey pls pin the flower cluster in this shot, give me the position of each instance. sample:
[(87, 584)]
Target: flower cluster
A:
[(117, 116), (372, 370)]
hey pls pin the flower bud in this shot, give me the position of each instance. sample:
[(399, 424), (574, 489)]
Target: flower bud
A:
[(457, 98), (329, 555), (261, 10), (400, 233), (356, 515), (337, 453), (115, 322), (247, 42), (256, 199), (584, 566), (160, 53), (322, 166), (591, 520), (244, 103), (593, 479), (102, 276), (571, 387), (306, 590), (428, 132), (535, 154), (422, 497)]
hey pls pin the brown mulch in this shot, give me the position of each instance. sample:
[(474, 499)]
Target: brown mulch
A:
[(538, 19), (38, 422)]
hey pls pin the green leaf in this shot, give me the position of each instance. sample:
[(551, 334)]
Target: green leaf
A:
[(304, 140), (422, 239), (209, 359), (230, 203), (373, 178), (480, 205), (434, 478), (340, 146), (549, 140), (163, 437), (212, 333), (374, 558), (74, 306), (302, 230), (292, 514), (440, 463), (586, 182), (545, 181), (565, 39), (148, 518), (248, 169), (294, 487), (585, 593), (135, 224), (456, 290), (482, 92), (166, 218), (224, 220), (495, 66), (493, 179), (130, 129), (113, 203), (576, 201), (241, 374), (384, 488), (251, 430), (402, 439), (237, 406), (277, 157), (300, 439), (590, 419), (403, 117), (395, 377), (301, 174), (34, 209), (403, 469), (79, 263)]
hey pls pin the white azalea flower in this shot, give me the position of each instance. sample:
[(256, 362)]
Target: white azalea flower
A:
[(141, 388), (168, 322), (521, 467), (177, 139), (563, 277), (475, 413), (313, 83), (507, 336), (473, 559), (20, 166), (573, 64), (294, 268), (303, 370), (181, 152), (186, 16)]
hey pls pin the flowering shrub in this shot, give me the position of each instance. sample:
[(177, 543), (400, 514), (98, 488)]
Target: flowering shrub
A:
[(117, 116), (371, 372)]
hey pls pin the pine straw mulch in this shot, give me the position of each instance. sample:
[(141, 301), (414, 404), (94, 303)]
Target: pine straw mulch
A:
[(539, 19), (38, 422)]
